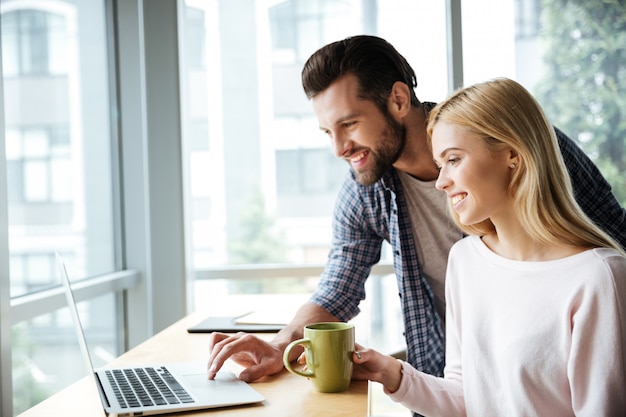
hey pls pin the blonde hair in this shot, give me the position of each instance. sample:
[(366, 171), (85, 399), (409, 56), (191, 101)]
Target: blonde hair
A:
[(506, 116)]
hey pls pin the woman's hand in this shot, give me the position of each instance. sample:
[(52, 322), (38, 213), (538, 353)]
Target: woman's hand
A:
[(374, 366)]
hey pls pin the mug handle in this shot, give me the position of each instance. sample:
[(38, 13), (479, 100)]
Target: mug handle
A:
[(304, 342)]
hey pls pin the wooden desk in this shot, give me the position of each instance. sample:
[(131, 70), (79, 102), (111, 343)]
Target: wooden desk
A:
[(285, 394)]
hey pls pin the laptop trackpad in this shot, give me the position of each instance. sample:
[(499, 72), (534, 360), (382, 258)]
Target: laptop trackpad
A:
[(226, 388)]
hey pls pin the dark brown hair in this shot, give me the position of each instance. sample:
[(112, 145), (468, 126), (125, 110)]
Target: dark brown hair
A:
[(374, 61)]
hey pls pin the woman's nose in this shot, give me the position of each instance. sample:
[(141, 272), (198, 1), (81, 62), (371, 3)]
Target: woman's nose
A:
[(442, 181)]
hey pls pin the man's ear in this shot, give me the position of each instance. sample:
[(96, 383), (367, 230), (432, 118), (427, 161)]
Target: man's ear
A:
[(399, 100)]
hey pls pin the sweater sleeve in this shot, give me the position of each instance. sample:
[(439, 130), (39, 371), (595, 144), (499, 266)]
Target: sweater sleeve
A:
[(433, 396), (598, 323), (429, 395)]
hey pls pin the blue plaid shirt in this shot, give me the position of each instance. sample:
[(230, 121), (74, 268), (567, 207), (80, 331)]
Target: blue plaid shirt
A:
[(366, 215)]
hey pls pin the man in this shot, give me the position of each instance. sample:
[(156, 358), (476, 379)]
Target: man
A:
[(362, 91)]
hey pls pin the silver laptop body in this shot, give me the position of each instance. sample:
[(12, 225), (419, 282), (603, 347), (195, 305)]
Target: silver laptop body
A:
[(179, 386)]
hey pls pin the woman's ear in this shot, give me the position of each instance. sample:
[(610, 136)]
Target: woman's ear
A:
[(514, 159), (399, 100)]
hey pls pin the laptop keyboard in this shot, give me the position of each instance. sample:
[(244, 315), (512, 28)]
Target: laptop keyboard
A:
[(148, 386)]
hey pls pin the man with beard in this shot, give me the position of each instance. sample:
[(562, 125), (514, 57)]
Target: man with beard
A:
[(362, 91)]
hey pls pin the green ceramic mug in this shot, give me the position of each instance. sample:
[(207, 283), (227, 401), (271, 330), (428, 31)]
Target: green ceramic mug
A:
[(328, 350)]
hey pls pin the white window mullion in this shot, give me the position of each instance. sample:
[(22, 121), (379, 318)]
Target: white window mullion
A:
[(454, 28), (6, 366)]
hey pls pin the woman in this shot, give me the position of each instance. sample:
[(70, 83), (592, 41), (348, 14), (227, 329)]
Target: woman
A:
[(535, 314)]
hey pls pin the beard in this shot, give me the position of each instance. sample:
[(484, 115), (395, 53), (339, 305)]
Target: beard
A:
[(382, 158)]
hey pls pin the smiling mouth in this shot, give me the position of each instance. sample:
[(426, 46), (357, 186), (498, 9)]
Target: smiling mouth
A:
[(458, 198), (358, 157)]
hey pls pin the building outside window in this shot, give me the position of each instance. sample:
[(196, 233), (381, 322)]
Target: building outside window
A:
[(58, 146)]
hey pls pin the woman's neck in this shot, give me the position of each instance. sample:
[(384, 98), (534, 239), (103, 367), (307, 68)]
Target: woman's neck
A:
[(510, 240)]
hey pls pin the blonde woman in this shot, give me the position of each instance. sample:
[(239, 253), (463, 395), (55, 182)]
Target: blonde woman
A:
[(535, 295)]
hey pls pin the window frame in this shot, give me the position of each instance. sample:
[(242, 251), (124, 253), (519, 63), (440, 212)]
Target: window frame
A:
[(139, 261)]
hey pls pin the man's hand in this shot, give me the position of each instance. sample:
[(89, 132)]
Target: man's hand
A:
[(259, 357)]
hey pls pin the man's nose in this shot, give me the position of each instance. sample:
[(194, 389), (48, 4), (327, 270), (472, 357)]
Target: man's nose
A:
[(341, 146)]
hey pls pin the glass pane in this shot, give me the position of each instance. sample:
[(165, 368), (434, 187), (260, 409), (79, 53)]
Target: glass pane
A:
[(60, 192), (58, 140), (46, 356), (261, 174), (571, 56)]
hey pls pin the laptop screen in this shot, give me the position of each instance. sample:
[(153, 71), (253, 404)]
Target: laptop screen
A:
[(78, 328)]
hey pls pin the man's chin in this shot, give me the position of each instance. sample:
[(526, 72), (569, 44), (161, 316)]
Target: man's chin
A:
[(367, 178)]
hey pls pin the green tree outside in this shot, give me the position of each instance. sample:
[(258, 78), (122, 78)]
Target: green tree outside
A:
[(260, 242), (583, 89), (27, 391)]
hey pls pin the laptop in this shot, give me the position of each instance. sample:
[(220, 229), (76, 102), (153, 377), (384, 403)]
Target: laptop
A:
[(158, 388)]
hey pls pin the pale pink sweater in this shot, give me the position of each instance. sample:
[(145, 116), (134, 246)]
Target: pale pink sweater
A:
[(528, 338)]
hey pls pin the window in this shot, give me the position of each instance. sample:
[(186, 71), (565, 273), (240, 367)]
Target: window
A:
[(527, 17), (35, 41), (40, 165), (58, 147), (250, 131), (308, 172), (58, 135), (569, 56), (46, 355), (299, 26)]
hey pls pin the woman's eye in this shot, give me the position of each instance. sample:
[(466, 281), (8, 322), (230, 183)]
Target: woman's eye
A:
[(453, 161)]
